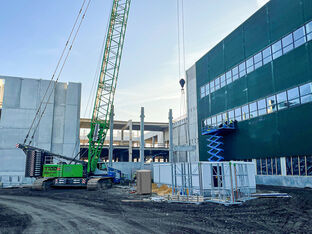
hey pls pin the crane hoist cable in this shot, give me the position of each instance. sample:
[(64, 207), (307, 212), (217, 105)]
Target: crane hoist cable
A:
[(59, 73), (55, 71)]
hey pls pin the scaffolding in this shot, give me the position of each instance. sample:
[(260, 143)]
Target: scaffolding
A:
[(219, 182)]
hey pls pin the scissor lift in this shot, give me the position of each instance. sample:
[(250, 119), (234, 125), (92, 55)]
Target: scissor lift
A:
[(216, 139)]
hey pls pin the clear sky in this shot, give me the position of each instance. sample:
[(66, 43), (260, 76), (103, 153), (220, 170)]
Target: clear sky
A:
[(33, 34)]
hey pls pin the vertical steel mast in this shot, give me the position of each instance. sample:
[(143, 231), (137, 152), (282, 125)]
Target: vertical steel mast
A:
[(107, 81)]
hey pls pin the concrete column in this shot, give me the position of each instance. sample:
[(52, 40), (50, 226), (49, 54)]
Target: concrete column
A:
[(283, 166), (130, 140), (170, 137), (142, 144), (122, 136), (111, 138), (153, 141), (255, 162), (161, 139)]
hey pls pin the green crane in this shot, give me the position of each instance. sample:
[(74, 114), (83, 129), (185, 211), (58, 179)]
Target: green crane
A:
[(107, 81), (82, 173)]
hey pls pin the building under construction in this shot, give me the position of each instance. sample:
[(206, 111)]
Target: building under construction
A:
[(260, 78)]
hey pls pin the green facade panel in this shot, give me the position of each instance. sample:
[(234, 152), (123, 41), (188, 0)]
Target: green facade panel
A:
[(284, 17), (282, 133), (256, 28), (233, 48)]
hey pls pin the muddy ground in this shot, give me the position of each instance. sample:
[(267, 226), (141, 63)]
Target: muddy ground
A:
[(81, 211)]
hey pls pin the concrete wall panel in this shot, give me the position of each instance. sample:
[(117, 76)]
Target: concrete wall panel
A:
[(12, 160), (29, 94), (12, 90), (62, 117)]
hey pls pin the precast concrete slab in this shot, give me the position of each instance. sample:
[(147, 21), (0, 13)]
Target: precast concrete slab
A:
[(58, 130)]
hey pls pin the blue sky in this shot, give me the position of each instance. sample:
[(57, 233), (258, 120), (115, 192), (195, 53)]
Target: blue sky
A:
[(33, 34)]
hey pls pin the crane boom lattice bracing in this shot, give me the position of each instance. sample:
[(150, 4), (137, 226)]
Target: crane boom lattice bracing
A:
[(107, 80)]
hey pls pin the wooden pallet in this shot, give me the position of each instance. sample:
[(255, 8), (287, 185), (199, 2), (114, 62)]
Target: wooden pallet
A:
[(183, 198)]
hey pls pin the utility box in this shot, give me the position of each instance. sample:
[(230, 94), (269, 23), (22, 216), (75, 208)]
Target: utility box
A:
[(144, 181)]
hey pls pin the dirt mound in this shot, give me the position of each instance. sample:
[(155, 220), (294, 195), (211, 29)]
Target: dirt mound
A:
[(11, 221)]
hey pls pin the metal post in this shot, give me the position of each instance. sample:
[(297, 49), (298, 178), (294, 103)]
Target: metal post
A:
[(231, 180), (219, 181), (170, 137), (200, 179), (130, 140), (142, 144), (111, 138)]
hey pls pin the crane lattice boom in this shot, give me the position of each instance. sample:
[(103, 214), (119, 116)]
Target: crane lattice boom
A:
[(107, 81)]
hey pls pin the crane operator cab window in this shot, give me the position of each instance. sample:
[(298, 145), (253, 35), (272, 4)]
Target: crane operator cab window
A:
[(2, 81)]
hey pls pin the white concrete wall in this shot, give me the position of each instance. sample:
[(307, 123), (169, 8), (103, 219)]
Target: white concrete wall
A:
[(191, 98), (58, 130)]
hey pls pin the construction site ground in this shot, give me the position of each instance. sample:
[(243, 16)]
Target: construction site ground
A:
[(110, 211)]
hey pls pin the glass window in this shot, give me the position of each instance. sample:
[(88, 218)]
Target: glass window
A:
[(250, 65), (245, 112), (238, 114), (263, 167), (258, 60), (228, 77), (202, 92), (235, 73), (231, 115), (242, 69), (267, 55), (222, 78), (309, 31), (277, 49), (281, 100), (302, 165), (271, 104), (309, 27), (212, 87), (261, 107), (278, 164), (207, 89), (288, 166), (258, 167), (306, 93), (217, 83), (269, 165), (274, 166), (293, 96), (295, 165), (299, 37), (253, 109), (219, 119), (288, 43), (305, 89), (309, 165), (209, 121), (224, 117), (213, 121)]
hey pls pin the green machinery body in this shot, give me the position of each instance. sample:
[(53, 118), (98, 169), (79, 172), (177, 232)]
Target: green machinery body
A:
[(63, 170)]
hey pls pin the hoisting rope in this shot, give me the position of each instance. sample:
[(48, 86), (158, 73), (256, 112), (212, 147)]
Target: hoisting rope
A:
[(182, 65), (33, 125)]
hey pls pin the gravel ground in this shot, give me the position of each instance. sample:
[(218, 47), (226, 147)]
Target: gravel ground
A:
[(81, 211)]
